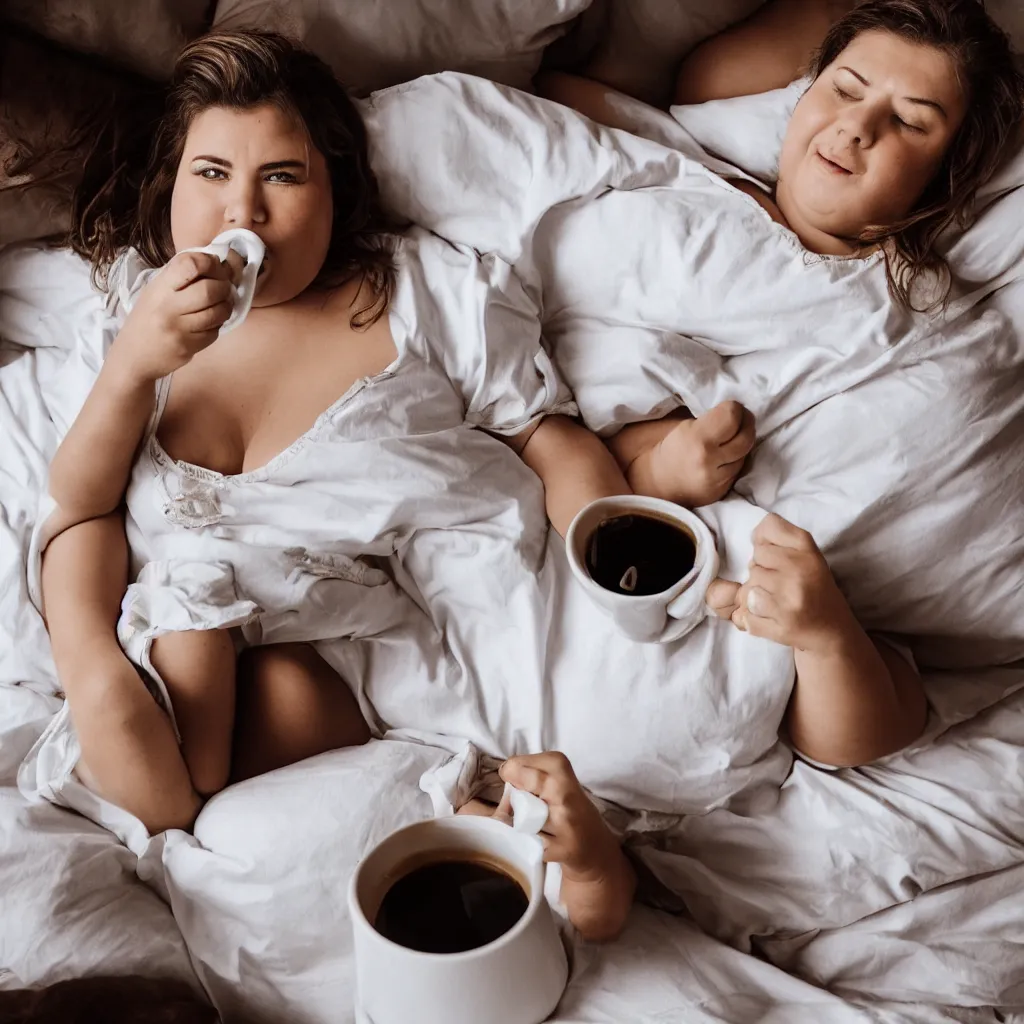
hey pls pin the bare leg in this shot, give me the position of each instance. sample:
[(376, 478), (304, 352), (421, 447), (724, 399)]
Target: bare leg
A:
[(198, 669), (598, 882), (129, 752), (291, 705)]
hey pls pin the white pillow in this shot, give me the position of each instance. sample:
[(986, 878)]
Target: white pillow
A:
[(746, 131), (373, 45)]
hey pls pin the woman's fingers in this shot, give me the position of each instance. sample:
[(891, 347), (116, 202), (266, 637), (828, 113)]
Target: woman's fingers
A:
[(737, 448), (188, 267), (204, 293), (774, 529), (766, 579), (209, 319), (548, 775), (721, 424), (721, 597), (234, 265), (755, 608), (771, 557), (760, 603)]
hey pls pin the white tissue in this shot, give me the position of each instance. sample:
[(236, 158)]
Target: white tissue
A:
[(250, 247)]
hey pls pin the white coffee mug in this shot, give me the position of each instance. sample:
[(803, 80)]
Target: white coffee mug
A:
[(653, 618), (516, 979)]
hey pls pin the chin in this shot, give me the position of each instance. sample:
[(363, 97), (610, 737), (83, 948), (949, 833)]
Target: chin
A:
[(275, 293)]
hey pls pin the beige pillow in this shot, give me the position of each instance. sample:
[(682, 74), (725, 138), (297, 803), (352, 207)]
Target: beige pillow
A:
[(143, 35), (374, 45), (52, 105), (1010, 16), (647, 39)]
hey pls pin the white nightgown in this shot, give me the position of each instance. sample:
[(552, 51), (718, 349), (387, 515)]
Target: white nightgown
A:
[(296, 550)]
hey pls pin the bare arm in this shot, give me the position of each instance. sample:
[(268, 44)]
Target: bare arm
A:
[(178, 314), (89, 473), (635, 439), (855, 702), (767, 51), (573, 464), (130, 755)]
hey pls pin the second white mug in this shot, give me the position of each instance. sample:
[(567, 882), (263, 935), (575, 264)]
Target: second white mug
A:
[(650, 618)]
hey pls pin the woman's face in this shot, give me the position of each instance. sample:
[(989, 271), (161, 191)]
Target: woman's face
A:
[(867, 138), (256, 169)]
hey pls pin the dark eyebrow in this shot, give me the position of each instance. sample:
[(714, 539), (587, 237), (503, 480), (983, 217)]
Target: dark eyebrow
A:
[(860, 78), (277, 165), (910, 99)]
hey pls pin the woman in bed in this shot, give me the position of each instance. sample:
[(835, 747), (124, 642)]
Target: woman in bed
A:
[(910, 110), (318, 435), (911, 107)]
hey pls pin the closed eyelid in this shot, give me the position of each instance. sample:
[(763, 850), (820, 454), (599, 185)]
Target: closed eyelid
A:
[(923, 129)]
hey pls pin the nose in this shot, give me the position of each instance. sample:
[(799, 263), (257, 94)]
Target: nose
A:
[(245, 205), (860, 125)]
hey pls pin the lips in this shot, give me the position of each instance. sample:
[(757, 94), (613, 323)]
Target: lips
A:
[(832, 164)]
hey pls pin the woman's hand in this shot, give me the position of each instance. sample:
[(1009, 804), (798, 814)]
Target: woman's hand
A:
[(178, 314), (790, 595), (855, 699), (694, 462), (598, 881)]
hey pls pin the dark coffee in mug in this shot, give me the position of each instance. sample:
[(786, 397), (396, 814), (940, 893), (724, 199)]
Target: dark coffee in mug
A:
[(640, 554), (450, 904)]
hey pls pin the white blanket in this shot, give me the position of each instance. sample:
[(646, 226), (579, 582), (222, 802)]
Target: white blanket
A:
[(258, 892)]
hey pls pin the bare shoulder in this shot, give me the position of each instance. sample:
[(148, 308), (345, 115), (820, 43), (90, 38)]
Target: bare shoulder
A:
[(766, 51)]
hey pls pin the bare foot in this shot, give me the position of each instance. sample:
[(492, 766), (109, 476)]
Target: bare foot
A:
[(699, 459), (598, 881)]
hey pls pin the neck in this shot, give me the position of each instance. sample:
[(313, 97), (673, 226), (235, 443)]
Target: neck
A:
[(811, 237)]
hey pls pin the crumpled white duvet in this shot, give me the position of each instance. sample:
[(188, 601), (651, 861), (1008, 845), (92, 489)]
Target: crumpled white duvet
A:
[(814, 872)]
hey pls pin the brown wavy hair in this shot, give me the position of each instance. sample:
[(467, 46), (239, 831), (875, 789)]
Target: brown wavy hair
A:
[(994, 88), (124, 198)]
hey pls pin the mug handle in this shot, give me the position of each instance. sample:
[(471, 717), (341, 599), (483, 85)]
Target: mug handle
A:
[(529, 812), (684, 602)]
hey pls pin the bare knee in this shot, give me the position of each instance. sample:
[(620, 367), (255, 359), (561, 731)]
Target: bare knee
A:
[(276, 662), (173, 807), (198, 669), (292, 705)]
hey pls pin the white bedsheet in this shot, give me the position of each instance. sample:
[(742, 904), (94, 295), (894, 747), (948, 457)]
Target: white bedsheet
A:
[(815, 876)]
